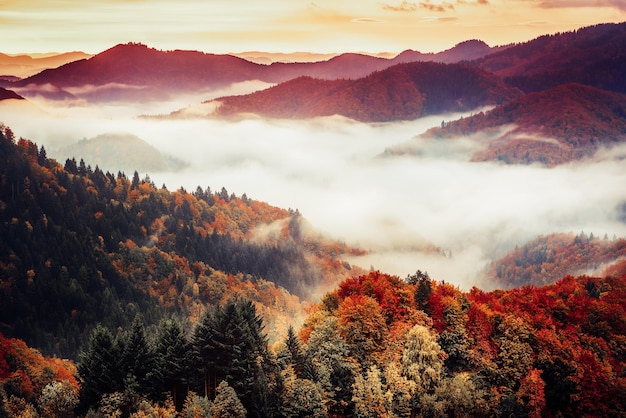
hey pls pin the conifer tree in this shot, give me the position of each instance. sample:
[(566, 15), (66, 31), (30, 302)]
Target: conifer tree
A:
[(173, 359), (99, 367), (139, 359), (230, 345)]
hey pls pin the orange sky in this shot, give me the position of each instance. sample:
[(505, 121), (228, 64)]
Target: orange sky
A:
[(289, 25)]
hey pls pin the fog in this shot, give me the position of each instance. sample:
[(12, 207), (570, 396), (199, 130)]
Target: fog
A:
[(332, 170)]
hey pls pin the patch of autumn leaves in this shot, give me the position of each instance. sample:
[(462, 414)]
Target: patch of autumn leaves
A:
[(28, 372), (552, 348)]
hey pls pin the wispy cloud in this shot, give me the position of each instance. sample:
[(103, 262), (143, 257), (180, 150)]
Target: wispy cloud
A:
[(405, 6), (562, 4), (437, 7)]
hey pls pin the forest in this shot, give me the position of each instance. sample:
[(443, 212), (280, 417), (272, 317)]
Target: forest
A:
[(169, 304)]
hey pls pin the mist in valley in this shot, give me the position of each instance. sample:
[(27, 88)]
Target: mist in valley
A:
[(433, 210)]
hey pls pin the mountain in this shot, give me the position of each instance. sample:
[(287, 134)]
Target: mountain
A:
[(402, 92), (82, 247), (593, 55), (26, 65), (556, 126), (548, 258), (9, 94), (135, 72), (120, 152), (472, 49)]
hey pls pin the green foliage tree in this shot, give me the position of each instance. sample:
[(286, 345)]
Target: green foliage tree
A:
[(226, 403), (231, 346), (99, 368), (196, 406), (369, 399), (139, 360), (335, 369), (173, 360), (300, 398), (422, 359)]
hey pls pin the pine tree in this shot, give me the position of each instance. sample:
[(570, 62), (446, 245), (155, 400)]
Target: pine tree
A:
[(173, 358), (98, 368), (139, 359), (231, 346)]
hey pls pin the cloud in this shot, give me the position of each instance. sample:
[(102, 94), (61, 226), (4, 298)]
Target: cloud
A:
[(405, 6), (397, 208), (564, 4), (437, 7)]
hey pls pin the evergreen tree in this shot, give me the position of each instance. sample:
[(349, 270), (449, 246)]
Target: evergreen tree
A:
[(139, 360), (231, 346), (99, 368), (173, 356)]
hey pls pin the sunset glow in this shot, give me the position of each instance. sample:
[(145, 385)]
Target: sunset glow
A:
[(223, 26)]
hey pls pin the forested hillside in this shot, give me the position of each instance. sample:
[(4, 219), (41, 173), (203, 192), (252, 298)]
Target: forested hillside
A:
[(80, 246), (592, 55), (402, 92), (546, 259), (564, 124), (376, 346)]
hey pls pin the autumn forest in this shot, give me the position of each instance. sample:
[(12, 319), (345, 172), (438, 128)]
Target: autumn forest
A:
[(124, 297)]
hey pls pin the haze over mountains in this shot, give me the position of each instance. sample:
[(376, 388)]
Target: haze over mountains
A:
[(551, 127)]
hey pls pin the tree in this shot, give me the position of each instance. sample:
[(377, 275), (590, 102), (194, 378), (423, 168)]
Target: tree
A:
[(58, 400), (196, 406), (531, 394), (300, 397), (422, 359), (291, 353), (173, 359), (335, 369), (362, 325), (99, 367), (226, 403), (139, 359), (231, 346), (369, 398)]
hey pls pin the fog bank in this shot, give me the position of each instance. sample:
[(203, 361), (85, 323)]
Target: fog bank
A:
[(330, 169)]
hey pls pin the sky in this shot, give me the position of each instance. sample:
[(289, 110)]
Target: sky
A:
[(222, 26)]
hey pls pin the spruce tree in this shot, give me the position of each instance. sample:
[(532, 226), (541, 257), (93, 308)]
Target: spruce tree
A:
[(139, 361), (173, 355), (98, 368)]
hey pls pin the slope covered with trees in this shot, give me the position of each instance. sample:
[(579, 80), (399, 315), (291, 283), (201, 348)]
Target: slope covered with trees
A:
[(402, 92), (556, 126), (80, 246), (546, 259), (593, 55), (379, 346)]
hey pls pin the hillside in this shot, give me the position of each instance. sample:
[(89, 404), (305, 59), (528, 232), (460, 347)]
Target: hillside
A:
[(22, 66), (9, 94), (121, 152), (546, 259), (593, 55), (81, 247), (381, 346), (556, 126), (402, 92), (432, 349)]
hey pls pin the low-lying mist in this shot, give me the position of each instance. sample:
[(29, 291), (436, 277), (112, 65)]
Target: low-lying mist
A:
[(333, 171)]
